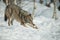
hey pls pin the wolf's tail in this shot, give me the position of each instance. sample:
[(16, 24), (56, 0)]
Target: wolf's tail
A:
[(5, 17)]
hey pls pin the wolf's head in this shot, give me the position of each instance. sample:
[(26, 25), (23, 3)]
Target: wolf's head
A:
[(29, 18)]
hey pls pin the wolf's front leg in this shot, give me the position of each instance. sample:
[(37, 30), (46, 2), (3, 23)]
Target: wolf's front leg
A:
[(22, 23), (33, 25)]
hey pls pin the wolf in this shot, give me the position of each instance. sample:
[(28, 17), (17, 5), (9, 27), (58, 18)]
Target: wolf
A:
[(15, 12)]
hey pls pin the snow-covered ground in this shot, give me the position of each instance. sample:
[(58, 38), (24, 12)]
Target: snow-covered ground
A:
[(49, 29)]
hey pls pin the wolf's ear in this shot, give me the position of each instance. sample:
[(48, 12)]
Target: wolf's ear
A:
[(29, 14)]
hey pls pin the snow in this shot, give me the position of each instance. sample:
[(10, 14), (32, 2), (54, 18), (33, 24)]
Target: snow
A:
[(49, 29)]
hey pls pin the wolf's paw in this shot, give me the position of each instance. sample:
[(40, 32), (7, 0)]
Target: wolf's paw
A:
[(35, 27), (8, 24)]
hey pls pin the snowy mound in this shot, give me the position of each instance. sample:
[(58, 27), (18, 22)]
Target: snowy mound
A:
[(49, 29)]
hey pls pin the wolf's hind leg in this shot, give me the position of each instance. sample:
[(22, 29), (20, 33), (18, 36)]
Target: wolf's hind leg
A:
[(9, 22), (12, 21)]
